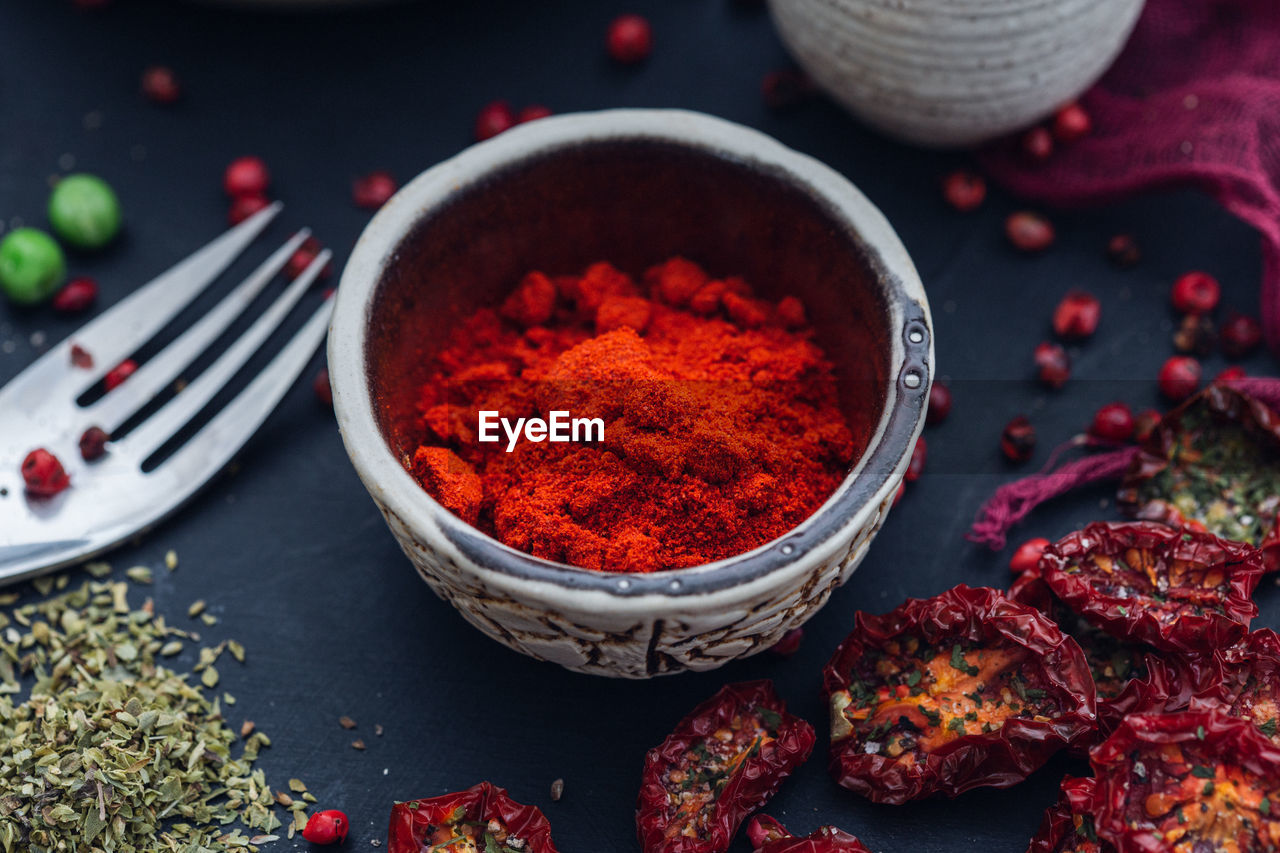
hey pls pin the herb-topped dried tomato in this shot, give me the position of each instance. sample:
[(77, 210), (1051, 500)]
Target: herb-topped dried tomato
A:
[(722, 762), (1244, 681), (1191, 782), (951, 693), (1145, 582), (1068, 824), (769, 836), (1212, 464), (481, 819)]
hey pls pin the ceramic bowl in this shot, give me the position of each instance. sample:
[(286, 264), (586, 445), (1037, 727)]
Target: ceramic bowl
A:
[(633, 187), (944, 73)]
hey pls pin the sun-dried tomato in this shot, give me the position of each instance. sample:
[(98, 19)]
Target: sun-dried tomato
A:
[(481, 818), (1212, 464), (1146, 582), (769, 836), (722, 762), (951, 693), (1244, 681), (1068, 824), (1190, 782)]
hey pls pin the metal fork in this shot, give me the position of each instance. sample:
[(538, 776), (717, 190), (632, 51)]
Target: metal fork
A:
[(113, 498)]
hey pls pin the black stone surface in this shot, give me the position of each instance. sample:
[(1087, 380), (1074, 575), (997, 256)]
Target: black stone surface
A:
[(289, 551)]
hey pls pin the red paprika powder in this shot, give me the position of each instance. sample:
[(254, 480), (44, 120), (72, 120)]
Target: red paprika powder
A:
[(722, 430)]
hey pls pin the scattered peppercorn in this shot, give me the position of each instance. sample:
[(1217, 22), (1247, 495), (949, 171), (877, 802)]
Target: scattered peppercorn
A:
[(1077, 315), (964, 190), (915, 467), (1071, 122), (1112, 423), (789, 644), (373, 190), (1028, 231), (493, 118), (244, 206), (1230, 374), (323, 390), (119, 373), (1037, 144), (93, 443), (786, 87), (533, 112), (160, 85), (327, 827), (1018, 440), (1196, 335), (1123, 251), (303, 257), (1145, 424), (939, 403), (31, 266), (630, 39), (1028, 555), (84, 211), (43, 474), (1053, 367), (246, 176), (1195, 292), (1179, 377), (75, 296), (1241, 335)]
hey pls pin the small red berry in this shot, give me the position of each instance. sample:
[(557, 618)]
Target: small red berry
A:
[(964, 190), (1113, 423), (120, 373), (327, 827), (918, 455), (1145, 424), (1195, 292), (302, 258), (630, 39), (533, 112), (244, 206), (93, 443), (1077, 315), (1037, 144), (786, 87), (43, 474), (246, 176), (160, 85), (1027, 557), (789, 644), (1071, 122), (1123, 251), (1241, 335), (1053, 367), (81, 357), (1029, 232), (939, 403), (1018, 440), (373, 190), (1179, 377), (323, 390), (493, 118), (76, 295), (1231, 374)]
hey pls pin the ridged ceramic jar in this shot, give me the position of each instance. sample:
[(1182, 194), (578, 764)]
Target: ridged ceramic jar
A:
[(632, 187), (944, 73)]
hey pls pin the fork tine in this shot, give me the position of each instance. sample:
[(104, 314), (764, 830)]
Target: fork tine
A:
[(171, 417), (113, 409)]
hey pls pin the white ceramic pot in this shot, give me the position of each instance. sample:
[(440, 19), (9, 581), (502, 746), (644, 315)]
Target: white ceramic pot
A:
[(633, 187), (944, 73)]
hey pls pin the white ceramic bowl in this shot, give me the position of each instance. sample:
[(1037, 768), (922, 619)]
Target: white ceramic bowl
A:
[(632, 187), (947, 73)]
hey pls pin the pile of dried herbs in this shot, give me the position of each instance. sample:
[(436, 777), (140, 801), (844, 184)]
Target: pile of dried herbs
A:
[(111, 750)]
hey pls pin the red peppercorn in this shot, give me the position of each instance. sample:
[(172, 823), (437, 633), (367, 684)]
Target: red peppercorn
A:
[(918, 455), (76, 295), (327, 827), (1123, 251), (1195, 292), (1113, 423), (323, 390), (1027, 557), (1145, 424), (939, 403), (1240, 336), (493, 118), (302, 258), (81, 357), (630, 39), (1071, 122), (1018, 440), (373, 190), (1231, 373), (93, 443), (964, 190), (244, 206), (789, 644), (533, 112), (120, 373), (1037, 144), (1179, 377), (1077, 315), (246, 176), (1053, 367), (160, 85), (1029, 232), (43, 474), (786, 87)]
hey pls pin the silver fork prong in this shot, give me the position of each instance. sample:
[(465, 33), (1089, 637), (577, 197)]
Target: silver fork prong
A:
[(114, 408), (217, 441), (165, 423)]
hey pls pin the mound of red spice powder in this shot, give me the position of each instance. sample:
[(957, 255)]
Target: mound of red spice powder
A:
[(722, 430)]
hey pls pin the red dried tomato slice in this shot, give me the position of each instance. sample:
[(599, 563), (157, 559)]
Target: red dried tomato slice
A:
[(1244, 681), (481, 818), (1212, 464), (769, 836), (1068, 824), (954, 692), (1145, 582), (1190, 782), (722, 762)]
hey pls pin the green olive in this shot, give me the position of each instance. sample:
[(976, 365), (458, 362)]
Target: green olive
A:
[(31, 266), (84, 211)]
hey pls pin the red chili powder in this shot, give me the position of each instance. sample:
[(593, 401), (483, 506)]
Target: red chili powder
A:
[(722, 430)]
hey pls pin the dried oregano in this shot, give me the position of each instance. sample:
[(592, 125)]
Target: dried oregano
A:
[(111, 751)]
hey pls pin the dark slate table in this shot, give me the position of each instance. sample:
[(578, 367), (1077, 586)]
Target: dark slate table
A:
[(289, 551)]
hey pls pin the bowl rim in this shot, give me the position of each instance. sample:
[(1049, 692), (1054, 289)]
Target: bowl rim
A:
[(863, 491)]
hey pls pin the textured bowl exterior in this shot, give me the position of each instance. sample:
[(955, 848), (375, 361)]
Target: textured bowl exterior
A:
[(944, 73), (634, 625)]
